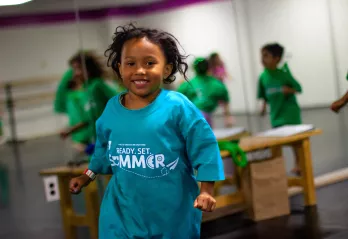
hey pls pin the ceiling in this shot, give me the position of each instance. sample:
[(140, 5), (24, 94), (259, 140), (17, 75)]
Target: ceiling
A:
[(43, 6)]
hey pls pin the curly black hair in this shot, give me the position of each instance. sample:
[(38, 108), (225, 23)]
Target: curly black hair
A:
[(275, 49), (166, 41), (94, 67)]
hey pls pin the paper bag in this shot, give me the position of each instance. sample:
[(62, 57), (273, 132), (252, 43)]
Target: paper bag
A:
[(265, 189)]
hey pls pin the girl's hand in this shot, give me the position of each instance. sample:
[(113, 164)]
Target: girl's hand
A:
[(205, 202), (288, 90), (64, 134), (76, 184), (337, 105)]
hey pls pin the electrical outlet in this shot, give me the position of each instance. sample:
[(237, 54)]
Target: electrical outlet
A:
[(51, 188)]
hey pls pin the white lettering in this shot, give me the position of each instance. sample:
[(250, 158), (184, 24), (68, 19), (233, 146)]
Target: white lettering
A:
[(143, 150), (125, 150), (159, 158), (138, 163), (125, 161), (112, 159)]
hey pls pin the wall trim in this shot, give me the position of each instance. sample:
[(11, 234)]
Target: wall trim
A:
[(95, 14)]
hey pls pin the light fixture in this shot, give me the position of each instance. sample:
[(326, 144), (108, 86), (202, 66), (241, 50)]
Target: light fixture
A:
[(12, 2)]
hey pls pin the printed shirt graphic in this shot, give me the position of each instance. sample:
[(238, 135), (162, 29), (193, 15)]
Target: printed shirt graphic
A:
[(284, 108), (153, 153), (205, 92)]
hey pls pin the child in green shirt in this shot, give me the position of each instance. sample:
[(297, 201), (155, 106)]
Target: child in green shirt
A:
[(277, 88), (86, 98), (338, 104), (78, 129), (205, 92)]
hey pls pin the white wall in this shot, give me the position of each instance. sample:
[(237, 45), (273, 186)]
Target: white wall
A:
[(303, 28), (42, 51), (201, 30), (339, 10)]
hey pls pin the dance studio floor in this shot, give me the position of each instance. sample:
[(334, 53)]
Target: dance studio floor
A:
[(29, 216)]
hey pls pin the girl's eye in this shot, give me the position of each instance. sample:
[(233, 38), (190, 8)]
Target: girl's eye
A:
[(150, 63), (130, 63)]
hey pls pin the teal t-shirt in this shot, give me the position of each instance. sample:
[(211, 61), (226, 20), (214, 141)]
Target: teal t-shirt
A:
[(284, 109), (205, 92), (153, 153)]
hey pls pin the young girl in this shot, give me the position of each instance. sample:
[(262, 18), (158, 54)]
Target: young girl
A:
[(206, 92), (152, 141), (78, 129)]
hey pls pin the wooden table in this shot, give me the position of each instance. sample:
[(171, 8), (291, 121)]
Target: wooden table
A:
[(301, 143), (70, 219)]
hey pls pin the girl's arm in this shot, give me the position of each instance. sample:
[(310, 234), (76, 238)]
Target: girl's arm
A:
[(293, 86), (207, 187), (73, 129), (99, 163), (338, 104), (263, 108), (202, 148)]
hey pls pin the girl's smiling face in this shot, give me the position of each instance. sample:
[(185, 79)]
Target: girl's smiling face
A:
[(143, 67)]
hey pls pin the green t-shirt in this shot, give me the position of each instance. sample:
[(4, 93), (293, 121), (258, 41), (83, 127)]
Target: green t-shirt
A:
[(98, 93), (284, 108), (62, 91), (97, 96), (75, 101), (205, 92)]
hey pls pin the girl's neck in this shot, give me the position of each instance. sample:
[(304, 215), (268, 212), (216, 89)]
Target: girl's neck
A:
[(135, 102)]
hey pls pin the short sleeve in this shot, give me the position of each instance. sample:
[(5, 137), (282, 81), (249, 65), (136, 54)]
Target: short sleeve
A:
[(261, 93), (291, 82), (99, 163), (223, 92), (106, 90), (182, 88), (201, 145), (186, 89), (61, 93)]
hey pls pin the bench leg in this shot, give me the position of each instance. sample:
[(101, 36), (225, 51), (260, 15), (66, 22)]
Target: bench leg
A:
[(305, 159), (66, 207), (92, 208)]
